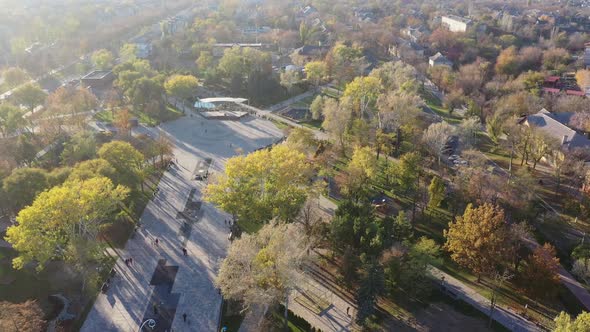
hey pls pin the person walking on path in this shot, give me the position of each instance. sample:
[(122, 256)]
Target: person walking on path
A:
[(184, 317), (157, 242), (184, 252)]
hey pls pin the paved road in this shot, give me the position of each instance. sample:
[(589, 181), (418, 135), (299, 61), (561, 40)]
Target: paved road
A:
[(183, 284)]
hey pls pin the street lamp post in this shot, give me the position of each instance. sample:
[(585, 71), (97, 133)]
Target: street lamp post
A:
[(151, 323)]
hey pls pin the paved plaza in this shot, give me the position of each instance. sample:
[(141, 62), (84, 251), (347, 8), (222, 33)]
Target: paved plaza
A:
[(162, 282)]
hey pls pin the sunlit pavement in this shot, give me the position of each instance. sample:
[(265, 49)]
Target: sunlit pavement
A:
[(127, 302)]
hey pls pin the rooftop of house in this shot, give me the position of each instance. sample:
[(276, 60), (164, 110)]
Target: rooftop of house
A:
[(552, 79), (575, 93), (458, 18), (550, 124), (438, 57), (310, 49), (408, 43)]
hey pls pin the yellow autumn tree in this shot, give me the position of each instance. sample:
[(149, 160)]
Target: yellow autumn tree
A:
[(478, 239), (65, 215), (262, 185)]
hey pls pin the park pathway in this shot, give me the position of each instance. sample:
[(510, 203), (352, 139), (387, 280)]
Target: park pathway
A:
[(162, 282), (290, 101), (506, 317)]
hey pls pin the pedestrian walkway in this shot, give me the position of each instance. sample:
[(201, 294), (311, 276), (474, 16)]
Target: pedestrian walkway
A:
[(162, 283), (290, 101), (320, 307), (506, 317)]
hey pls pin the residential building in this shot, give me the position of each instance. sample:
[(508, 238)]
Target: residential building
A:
[(556, 126), (406, 49), (97, 79), (308, 53), (439, 60), (415, 34), (455, 23)]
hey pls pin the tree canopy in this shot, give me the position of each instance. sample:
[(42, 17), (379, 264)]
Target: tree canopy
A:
[(74, 210), (477, 239), (181, 86), (262, 268), (262, 185)]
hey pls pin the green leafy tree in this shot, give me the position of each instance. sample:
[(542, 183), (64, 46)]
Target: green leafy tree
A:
[(29, 95), (262, 185), (436, 191), (371, 285), (354, 225), (308, 33), (75, 210), (103, 59), (405, 173), (316, 107), (478, 239), (316, 71), (146, 91), (409, 270), (182, 87), (80, 147), (361, 169), (24, 151), (205, 61), (363, 92), (11, 119), (14, 76), (126, 160), (128, 52), (244, 64), (533, 81), (93, 168), (23, 185)]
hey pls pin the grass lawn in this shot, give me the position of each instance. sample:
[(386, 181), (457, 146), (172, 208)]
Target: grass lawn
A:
[(104, 116), (171, 113), (312, 124), (444, 113), (279, 124)]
